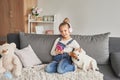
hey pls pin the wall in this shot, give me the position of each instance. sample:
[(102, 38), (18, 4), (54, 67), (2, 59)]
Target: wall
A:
[(87, 16)]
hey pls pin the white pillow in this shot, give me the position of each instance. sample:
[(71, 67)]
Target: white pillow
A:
[(28, 57)]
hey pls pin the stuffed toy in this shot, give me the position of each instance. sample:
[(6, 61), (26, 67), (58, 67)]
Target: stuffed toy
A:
[(9, 62), (60, 46), (83, 61)]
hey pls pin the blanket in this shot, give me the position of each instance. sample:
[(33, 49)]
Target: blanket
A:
[(38, 73)]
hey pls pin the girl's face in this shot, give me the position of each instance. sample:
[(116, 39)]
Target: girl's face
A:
[(64, 30)]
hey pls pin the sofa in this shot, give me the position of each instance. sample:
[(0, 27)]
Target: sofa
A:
[(105, 49)]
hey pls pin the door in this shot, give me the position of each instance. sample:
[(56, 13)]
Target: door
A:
[(11, 16), (16, 16), (4, 18)]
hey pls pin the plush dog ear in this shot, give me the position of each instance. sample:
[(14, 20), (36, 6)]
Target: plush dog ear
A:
[(77, 49), (73, 55)]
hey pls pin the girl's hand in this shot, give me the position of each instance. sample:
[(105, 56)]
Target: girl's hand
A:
[(58, 51), (78, 49)]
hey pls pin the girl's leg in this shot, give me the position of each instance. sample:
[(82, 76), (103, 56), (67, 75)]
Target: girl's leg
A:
[(58, 57), (51, 67), (65, 65)]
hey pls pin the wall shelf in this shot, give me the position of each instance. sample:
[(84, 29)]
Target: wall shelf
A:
[(34, 21), (46, 21)]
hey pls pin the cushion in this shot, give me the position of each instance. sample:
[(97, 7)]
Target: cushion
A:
[(28, 57), (96, 46), (41, 44), (115, 58)]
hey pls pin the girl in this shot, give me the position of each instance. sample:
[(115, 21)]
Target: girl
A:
[(62, 47)]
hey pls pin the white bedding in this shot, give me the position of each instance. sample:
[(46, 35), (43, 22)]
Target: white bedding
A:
[(38, 73)]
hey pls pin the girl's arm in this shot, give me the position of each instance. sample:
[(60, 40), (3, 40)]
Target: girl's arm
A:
[(72, 45), (76, 44), (53, 52)]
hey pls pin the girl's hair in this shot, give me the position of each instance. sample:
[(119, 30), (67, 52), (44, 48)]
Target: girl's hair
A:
[(65, 22)]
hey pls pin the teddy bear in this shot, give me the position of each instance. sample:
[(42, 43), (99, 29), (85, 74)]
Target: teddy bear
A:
[(83, 61), (9, 61)]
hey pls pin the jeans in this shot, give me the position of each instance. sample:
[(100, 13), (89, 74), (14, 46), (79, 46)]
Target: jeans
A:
[(61, 63)]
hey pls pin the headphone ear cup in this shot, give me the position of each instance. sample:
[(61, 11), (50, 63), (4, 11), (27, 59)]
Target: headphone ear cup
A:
[(70, 29)]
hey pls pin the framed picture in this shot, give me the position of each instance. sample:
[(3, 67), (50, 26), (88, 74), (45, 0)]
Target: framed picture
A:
[(39, 29)]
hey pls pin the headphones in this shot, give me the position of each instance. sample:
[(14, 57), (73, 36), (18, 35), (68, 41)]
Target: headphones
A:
[(70, 28)]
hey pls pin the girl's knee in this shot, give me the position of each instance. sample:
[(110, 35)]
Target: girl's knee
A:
[(48, 69), (65, 66), (61, 66), (51, 67), (61, 71)]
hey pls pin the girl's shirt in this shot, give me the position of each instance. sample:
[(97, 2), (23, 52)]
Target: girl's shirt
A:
[(68, 48)]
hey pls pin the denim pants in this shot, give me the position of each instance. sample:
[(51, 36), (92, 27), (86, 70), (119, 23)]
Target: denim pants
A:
[(61, 63)]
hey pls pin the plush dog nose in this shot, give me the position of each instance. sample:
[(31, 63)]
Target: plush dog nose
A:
[(77, 59)]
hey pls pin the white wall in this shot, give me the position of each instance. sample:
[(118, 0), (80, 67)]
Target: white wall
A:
[(87, 16)]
